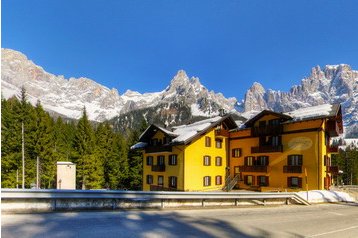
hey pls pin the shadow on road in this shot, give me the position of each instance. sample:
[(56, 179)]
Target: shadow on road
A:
[(125, 224)]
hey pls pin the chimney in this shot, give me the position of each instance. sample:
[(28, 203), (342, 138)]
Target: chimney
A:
[(222, 112)]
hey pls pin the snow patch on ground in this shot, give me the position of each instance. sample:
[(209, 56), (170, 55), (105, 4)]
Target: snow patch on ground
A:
[(320, 196)]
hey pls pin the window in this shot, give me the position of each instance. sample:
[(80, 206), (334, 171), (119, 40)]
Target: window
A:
[(207, 141), (262, 161), (207, 181), (218, 180), (160, 160), (249, 160), (275, 140), (173, 160), (218, 143), (218, 161), (173, 182), (149, 179), (236, 170), (207, 160), (149, 160), (294, 182), (249, 180), (236, 153), (294, 160), (153, 142), (160, 180), (263, 181), (274, 122)]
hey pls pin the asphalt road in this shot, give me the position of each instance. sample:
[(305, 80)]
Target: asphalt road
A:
[(325, 220)]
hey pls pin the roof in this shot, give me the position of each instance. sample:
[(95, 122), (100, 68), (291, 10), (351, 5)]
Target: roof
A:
[(251, 121), (315, 112), (184, 134), (302, 114)]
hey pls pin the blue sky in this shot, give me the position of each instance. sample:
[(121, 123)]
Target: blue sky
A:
[(140, 45)]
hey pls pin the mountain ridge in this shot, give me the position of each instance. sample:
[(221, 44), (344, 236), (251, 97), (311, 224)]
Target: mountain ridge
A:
[(182, 100)]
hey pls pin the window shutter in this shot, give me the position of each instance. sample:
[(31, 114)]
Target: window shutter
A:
[(233, 152), (289, 182), (300, 182), (253, 180), (245, 179), (267, 180), (267, 161), (325, 160), (246, 161)]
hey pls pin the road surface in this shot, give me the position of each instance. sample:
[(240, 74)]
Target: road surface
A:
[(325, 220)]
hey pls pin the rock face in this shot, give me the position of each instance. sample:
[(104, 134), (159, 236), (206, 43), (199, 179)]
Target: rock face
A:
[(67, 97), (332, 84)]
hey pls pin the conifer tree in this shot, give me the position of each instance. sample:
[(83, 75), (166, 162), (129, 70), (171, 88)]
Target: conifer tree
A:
[(89, 167)]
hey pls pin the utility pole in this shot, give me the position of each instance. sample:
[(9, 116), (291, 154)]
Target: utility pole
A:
[(17, 178), (37, 173), (23, 155)]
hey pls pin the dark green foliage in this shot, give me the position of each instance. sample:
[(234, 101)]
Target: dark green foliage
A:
[(102, 156), (347, 161)]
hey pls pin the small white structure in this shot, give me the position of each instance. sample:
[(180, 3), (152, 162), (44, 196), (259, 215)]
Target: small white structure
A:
[(66, 175)]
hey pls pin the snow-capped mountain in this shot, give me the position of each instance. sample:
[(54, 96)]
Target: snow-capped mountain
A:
[(67, 97), (332, 84)]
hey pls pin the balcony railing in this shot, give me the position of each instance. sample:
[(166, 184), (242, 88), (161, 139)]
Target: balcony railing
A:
[(267, 130), (332, 128), (332, 169), (158, 168), (292, 169), (266, 149), (221, 133), (157, 149), (332, 149), (254, 168)]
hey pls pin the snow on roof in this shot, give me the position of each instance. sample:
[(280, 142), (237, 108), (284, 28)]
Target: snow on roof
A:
[(139, 145), (311, 112), (185, 132)]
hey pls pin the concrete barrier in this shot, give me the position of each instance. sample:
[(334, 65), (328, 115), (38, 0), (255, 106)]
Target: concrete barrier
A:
[(19, 200)]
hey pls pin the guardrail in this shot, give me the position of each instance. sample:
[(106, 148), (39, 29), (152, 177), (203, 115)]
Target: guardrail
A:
[(14, 200)]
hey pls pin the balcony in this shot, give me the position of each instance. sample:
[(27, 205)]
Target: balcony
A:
[(267, 130), (333, 128), (254, 168), (158, 168), (332, 149), (332, 169), (221, 133), (266, 149), (292, 169), (158, 149)]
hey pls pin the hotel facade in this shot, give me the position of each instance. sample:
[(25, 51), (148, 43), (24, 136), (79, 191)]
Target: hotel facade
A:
[(269, 152)]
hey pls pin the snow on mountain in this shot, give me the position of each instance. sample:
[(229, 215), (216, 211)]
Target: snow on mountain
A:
[(67, 97), (332, 84)]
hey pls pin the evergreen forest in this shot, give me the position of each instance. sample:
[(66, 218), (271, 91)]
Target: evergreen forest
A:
[(102, 155)]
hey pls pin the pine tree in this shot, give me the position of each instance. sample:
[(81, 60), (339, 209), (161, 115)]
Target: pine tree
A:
[(89, 166)]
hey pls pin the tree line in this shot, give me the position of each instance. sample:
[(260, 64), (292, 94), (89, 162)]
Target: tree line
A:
[(102, 155)]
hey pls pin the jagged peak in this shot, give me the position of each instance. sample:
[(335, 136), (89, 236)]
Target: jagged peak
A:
[(257, 87)]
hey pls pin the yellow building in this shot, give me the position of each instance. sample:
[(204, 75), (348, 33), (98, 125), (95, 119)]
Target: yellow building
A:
[(277, 151), (271, 151), (186, 158)]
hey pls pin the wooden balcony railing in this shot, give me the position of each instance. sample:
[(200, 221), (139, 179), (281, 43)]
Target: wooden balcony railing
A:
[(267, 130), (266, 149), (332, 149), (221, 133), (254, 168), (292, 169), (158, 148), (332, 169), (332, 128), (158, 168)]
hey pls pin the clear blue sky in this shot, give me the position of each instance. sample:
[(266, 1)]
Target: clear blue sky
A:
[(140, 45)]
